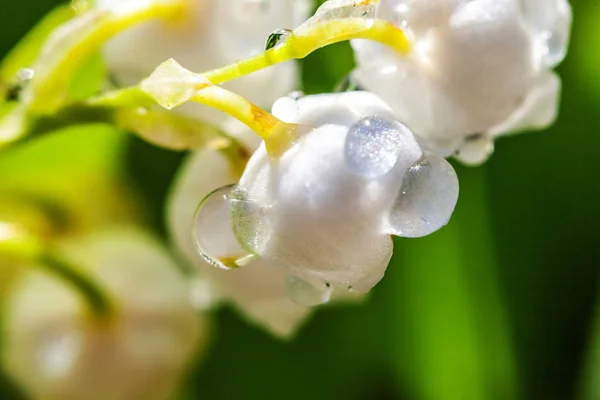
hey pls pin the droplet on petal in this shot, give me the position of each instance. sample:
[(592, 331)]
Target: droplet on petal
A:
[(427, 198), (305, 294), (25, 74), (476, 150), (213, 232), (550, 22), (373, 146), (277, 37), (249, 220)]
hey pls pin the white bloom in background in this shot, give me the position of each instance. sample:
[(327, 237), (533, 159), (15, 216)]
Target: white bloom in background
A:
[(214, 34), (258, 291), (479, 69), (323, 213), (55, 349)]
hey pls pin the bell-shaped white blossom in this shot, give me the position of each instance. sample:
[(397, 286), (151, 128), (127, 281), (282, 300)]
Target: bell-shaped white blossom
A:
[(211, 35), (55, 349), (324, 212), (478, 69), (258, 291)]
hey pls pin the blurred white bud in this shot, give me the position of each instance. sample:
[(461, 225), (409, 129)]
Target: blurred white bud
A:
[(479, 68), (323, 213), (55, 349), (212, 35)]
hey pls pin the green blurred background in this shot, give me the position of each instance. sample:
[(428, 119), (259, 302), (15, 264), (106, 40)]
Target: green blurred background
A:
[(500, 305)]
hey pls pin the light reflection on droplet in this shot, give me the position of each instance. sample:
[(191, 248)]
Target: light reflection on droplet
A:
[(277, 38), (373, 146)]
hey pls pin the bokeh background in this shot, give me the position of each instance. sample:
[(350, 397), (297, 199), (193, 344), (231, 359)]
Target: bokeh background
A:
[(502, 304)]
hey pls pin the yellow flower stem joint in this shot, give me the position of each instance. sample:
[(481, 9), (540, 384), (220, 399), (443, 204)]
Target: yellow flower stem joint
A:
[(277, 134)]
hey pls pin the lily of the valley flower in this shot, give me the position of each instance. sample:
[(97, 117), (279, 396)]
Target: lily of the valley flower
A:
[(259, 291), (479, 69), (210, 35), (324, 212), (55, 349)]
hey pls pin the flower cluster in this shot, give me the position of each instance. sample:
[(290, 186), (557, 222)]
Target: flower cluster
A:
[(276, 211)]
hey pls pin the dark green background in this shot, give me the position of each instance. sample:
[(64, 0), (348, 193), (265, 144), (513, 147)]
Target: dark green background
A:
[(501, 304)]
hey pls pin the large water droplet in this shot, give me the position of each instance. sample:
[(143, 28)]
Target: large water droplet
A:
[(373, 146), (427, 198), (277, 38), (213, 233), (305, 294), (249, 220)]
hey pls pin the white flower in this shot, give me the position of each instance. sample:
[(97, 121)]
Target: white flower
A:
[(55, 349), (259, 291), (214, 34), (479, 69), (323, 213)]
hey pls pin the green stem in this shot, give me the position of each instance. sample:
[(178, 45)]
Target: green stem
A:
[(17, 245)]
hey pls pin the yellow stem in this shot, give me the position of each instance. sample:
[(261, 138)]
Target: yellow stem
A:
[(276, 133), (307, 40)]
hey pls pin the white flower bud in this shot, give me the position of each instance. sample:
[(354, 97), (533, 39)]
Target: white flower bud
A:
[(214, 34), (258, 291), (478, 68), (55, 349), (325, 210)]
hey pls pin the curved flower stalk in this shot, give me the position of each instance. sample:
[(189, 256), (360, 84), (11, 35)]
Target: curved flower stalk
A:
[(480, 69), (324, 210), (56, 350), (210, 34)]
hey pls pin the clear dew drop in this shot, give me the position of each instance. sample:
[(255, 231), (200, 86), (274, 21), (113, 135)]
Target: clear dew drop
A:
[(373, 146), (305, 294), (213, 233), (427, 198), (277, 38), (249, 220), (553, 47), (25, 74)]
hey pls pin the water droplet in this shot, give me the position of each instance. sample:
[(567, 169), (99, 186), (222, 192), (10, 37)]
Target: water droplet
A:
[(305, 294), (277, 38), (427, 198), (553, 47), (476, 150), (25, 74), (213, 232), (249, 220), (373, 146), (296, 95)]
